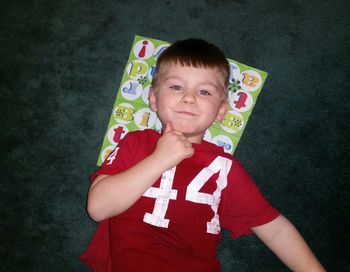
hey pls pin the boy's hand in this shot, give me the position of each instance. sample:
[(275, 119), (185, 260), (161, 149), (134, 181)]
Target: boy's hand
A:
[(173, 147), (110, 195)]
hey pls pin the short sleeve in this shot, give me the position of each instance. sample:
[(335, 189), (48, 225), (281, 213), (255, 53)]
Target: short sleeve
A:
[(119, 159), (243, 206)]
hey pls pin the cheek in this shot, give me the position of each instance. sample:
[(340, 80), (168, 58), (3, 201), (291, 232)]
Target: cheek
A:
[(164, 100), (210, 105), (214, 109)]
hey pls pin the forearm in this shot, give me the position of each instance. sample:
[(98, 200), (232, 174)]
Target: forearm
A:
[(111, 195), (287, 243)]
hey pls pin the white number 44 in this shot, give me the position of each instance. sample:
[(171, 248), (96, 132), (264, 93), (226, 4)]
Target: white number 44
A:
[(165, 193)]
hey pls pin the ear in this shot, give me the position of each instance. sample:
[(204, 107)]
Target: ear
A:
[(222, 111), (152, 99)]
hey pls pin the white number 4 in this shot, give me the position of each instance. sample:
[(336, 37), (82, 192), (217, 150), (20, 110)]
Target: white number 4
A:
[(165, 193)]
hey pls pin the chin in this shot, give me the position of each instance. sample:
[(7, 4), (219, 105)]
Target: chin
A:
[(191, 133), (184, 130)]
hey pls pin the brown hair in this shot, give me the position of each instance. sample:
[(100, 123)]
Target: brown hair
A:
[(192, 52)]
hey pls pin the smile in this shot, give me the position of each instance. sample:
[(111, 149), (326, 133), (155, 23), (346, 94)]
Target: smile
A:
[(186, 113)]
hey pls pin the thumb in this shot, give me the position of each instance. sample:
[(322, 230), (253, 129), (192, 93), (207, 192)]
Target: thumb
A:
[(168, 128)]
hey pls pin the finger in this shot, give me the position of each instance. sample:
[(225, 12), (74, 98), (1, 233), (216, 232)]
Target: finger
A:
[(188, 144), (168, 128), (190, 152)]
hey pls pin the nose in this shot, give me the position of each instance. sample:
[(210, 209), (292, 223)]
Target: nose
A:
[(188, 98)]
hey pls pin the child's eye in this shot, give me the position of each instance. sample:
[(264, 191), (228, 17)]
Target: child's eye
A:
[(176, 87), (204, 92)]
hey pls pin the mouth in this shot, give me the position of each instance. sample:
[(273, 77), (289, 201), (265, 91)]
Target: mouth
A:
[(186, 113)]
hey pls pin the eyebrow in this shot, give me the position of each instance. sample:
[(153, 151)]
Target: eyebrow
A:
[(172, 77), (205, 82)]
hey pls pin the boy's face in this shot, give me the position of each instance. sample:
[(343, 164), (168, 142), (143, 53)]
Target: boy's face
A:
[(190, 99)]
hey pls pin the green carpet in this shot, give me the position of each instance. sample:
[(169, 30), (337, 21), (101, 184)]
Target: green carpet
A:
[(61, 63)]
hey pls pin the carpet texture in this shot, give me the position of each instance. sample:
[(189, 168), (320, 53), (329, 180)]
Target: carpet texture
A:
[(62, 62)]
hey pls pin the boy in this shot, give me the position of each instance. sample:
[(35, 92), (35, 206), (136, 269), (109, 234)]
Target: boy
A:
[(162, 199)]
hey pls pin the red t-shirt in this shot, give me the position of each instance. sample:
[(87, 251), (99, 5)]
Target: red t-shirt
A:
[(175, 225)]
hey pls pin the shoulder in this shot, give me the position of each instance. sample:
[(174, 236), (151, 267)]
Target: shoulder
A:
[(218, 151), (139, 142), (142, 135), (207, 152), (134, 146)]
